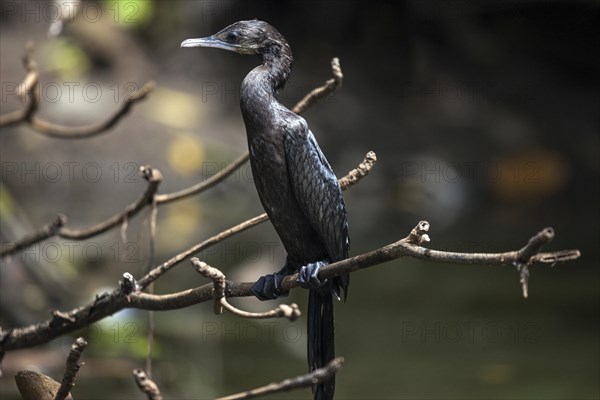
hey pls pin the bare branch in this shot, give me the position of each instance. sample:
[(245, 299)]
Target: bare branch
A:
[(291, 312), (73, 365), (317, 376), (146, 385), (405, 247), (359, 172), (44, 233), (331, 86), (29, 90), (78, 132), (109, 303), (204, 185), (167, 265), (418, 235), (56, 228), (218, 279)]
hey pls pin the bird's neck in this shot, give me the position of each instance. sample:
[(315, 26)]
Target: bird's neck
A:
[(272, 74), (260, 86), (276, 64)]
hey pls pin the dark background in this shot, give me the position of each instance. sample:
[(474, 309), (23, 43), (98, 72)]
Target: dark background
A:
[(484, 117)]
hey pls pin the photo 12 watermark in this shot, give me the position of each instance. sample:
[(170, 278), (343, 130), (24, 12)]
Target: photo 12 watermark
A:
[(469, 332), (120, 12)]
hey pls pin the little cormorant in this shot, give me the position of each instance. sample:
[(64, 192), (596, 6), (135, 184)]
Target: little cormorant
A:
[(295, 183)]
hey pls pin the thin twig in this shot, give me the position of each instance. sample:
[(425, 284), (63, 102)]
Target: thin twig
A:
[(317, 376), (146, 385), (29, 90), (79, 132), (150, 325), (363, 169), (73, 365), (204, 185), (56, 228), (291, 312), (44, 233), (331, 86), (122, 297)]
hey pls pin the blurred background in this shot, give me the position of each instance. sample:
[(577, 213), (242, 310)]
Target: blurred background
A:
[(485, 119)]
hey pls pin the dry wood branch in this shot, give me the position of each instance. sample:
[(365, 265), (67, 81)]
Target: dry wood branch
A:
[(317, 376), (56, 228), (78, 132), (44, 233), (120, 298), (204, 185), (419, 235), (291, 312), (166, 266), (331, 86), (29, 90), (73, 365), (146, 385), (363, 169)]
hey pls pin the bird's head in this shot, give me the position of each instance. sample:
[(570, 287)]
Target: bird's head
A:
[(243, 37)]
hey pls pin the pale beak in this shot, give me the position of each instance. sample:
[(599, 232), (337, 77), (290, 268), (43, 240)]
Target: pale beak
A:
[(210, 42)]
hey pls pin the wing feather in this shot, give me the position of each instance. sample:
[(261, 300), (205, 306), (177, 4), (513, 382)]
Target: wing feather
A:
[(318, 191)]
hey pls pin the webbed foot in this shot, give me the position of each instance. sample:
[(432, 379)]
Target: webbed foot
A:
[(268, 287), (307, 276)]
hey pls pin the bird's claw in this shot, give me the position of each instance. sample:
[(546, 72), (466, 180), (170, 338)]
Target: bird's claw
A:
[(308, 275), (268, 287)]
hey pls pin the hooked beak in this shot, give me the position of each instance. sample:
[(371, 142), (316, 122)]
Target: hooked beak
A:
[(211, 42)]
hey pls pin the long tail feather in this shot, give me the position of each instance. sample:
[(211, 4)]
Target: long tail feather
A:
[(321, 337)]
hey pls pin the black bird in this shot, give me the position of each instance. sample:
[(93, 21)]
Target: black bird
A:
[(295, 183)]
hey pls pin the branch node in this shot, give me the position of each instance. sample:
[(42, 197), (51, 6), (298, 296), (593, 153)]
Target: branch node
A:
[(142, 93), (534, 245), (359, 172), (146, 385), (218, 279), (64, 316), (150, 174), (419, 235), (128, 285), (524, 281), (291, 312)]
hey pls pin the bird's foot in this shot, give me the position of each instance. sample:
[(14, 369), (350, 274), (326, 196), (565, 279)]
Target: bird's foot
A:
[(308, 275), (268, 287)]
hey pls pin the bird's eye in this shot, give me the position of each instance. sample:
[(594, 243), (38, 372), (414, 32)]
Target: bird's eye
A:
[(232, 36)]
